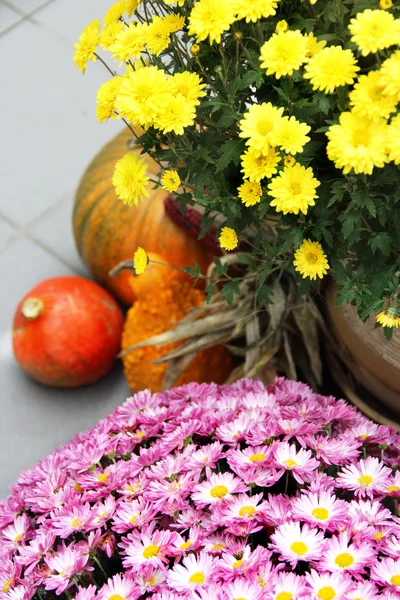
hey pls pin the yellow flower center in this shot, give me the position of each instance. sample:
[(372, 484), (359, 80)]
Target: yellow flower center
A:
[(103, 477), (151, 551), (378, 535), (365, 480), (133, 519), (198, 577), (185, 545), (247, 511), (361, 137), (139, 435), (77, 523), (257, 457), (17, 537), (312, 257), (239, 599), (218, 547), (264, 127), (6, 586), (116, 597), (299, 548), (326, 593), (364, 436), (78, 488), (284, 596), (320, 513), (261, 582), (295, 188), (290, 463), (395, 580), (237, 564), (218, 491), (393, 488), (344, 560)]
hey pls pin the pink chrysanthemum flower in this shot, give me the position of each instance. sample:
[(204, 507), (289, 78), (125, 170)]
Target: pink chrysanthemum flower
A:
[(327, 586), (390, 486), (387, 572), (17, 533), (340, 554), (243, 507), (194, 571), (132, 514), (67, 562), (295, 543), (86, 593), (241, 588), (323, 509), (70, 519), (119, 588), (149, 579), (219, 487), (205, 457), (234, 432), (252, 456), (372, 513), (365, 477), (336, 451), (364, 590), (287, 585), (298, 462), (147, 547)]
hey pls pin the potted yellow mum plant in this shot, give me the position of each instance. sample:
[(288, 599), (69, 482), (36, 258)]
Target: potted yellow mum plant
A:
[(279, 120)]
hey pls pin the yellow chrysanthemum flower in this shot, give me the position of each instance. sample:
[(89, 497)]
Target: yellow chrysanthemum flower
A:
[(109, 35), (129, 43), (106, 96), (385, 4), (174, 22), (143, 95), (390, 75), (331, 68), (131, 6), (255, 10), (367, 99), (250, 193), (290, 135), (228, 239), (357, 143), (257, 124), (373, 30), (175, 115), (130, 180), (389, 318), (140, 261), (313, 45), (293, 190), (393, 140), (170, 181), (289, 161), (86, 47), (284, 53), (210, 18), (256, 165), (114, 13), (281, 26), (189, 85), (158, 36), (310, 260)]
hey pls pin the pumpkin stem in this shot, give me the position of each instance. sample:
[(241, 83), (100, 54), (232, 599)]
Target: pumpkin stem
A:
[(32, 308)]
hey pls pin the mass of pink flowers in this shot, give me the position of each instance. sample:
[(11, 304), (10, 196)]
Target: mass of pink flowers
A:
[(207, 492)]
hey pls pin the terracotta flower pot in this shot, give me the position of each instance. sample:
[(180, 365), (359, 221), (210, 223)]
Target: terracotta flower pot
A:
[(373, 361)]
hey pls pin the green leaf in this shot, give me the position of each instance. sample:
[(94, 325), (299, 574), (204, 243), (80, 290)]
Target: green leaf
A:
[(248, 78), (396, 220), (230, 152), (230, 289), (381, 241), (323, 103), (350, 221)]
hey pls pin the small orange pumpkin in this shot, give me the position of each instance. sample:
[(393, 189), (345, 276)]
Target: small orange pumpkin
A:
[(67, 332), (107, 231)]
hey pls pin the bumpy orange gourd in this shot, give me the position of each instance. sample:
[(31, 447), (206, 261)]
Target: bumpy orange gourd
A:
[(155, 313), (107, 232)]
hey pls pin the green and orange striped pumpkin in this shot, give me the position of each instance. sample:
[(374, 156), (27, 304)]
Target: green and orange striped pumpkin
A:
[(107, 232)]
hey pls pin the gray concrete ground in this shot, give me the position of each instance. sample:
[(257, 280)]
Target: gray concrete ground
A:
[(49, 134)]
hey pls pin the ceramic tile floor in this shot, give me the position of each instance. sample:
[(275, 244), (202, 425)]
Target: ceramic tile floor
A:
[(49, 134)]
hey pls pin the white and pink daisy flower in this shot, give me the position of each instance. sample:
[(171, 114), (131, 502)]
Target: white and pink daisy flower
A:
[(329, 586), (193, 572), (323, 509), (340, 554), (87, 593), (242, 507), (234, 432), (63, 565), (147, 547), (299, 462), (287, 585), (252, 456), (219, 487), (243, 589), (387, 572), (132, 514), (364, 477), (16, 534), (391, 486), (149, 579), (338, 450), (119, 587), (294, 543), (207, 456), (364, 590)]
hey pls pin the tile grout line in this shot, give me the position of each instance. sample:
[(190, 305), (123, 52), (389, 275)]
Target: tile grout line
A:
[(24, 16)]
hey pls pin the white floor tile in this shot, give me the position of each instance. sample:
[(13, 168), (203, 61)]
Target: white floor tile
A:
[(51, 128), (26, 6), (7, 233), (8, 17)]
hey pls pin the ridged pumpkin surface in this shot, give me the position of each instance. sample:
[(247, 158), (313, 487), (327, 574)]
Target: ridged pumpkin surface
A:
[(154, 314), (106, 231)]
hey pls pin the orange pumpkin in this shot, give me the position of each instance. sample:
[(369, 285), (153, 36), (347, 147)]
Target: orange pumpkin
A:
[(107, 232), (67, 332)]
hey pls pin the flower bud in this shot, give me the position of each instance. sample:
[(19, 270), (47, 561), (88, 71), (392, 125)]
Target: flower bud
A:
[(195, 49)]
